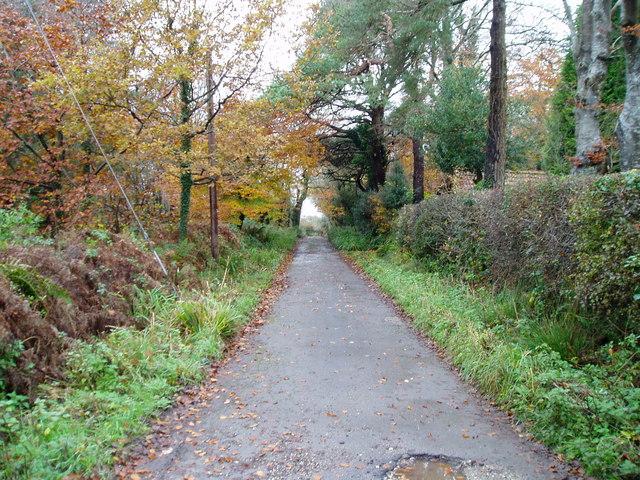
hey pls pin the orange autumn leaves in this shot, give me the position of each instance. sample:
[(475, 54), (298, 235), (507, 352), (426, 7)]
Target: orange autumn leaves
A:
[(126, 67), (43, 162)]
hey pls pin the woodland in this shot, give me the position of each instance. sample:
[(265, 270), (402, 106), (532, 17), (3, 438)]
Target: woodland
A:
[(480, 159)]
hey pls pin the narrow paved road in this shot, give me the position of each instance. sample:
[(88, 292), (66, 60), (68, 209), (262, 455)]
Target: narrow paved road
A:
[(334, 385)]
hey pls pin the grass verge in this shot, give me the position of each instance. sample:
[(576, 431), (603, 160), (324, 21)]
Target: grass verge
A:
[(589, 412), (116, 382)]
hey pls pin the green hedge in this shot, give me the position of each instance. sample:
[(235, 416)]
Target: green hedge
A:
[(566, 241), (606, 219)]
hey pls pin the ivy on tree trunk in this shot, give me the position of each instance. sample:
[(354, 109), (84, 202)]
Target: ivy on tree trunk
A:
[(186, 178), (186, 183)]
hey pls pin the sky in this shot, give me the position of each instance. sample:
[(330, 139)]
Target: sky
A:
[(280, 54), (309, 209)]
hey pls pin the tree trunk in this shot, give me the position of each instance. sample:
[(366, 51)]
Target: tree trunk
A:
[(496, 155), (628, 129), (296, 212), (213, 221), (186, 178), (378, 158), (186, 182), (591, 56), (418, 169)]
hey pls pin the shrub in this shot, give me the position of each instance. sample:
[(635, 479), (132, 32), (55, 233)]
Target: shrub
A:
[(607, 222), (572, 244), (529, 238), (395, 192), (448, 228)]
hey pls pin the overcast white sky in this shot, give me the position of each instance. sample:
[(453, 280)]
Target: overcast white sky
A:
[(280, 53)]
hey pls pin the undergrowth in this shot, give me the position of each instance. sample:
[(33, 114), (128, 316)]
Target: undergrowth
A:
[(588, 409), (113, 383), (353, 238)]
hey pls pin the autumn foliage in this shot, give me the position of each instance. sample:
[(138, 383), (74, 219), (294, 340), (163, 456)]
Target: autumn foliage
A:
[(140, 73), (44, 163)]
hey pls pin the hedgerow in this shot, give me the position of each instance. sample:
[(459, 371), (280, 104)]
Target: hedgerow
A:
[(567, 242)]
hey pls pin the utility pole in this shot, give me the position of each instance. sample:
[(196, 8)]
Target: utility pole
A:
[(211, 146)]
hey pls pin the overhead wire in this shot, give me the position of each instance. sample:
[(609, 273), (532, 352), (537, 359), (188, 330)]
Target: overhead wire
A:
[(99, 144)]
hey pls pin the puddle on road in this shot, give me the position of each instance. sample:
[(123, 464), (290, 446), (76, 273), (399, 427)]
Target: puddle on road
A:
[(427, 468)]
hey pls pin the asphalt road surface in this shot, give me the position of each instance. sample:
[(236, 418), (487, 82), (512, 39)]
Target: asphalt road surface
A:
[(335, 385)]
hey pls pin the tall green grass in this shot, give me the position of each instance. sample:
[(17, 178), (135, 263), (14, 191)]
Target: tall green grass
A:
[(586, 411), (115, 383), (353, 238)]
